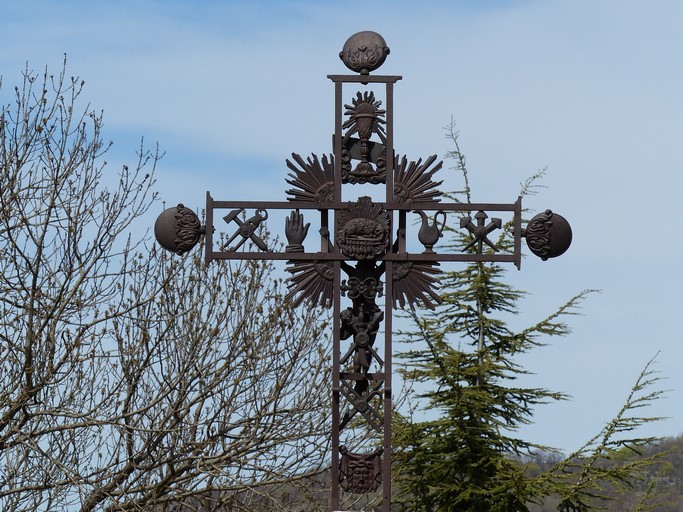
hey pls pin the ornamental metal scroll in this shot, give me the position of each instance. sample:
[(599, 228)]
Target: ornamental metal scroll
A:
[(365, 251)]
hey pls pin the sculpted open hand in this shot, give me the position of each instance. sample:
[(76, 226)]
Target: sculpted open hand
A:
[(295, 231)]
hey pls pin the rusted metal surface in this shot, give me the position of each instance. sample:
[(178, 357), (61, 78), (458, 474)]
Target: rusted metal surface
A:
[(548, 235), (178, 229), (364, 52), (367, 258)]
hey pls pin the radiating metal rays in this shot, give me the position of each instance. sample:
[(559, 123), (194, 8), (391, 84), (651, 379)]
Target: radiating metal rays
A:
[(416, 284), (312, 179), (312, 282), (413, 180)]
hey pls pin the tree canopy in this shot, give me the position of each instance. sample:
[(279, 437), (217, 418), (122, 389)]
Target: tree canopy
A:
[(132, 379), (458, 446)]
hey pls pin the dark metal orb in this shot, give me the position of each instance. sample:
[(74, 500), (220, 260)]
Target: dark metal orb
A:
[(177, 229), (364, 52), (548, 235)]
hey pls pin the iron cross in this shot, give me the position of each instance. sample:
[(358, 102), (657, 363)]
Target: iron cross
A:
[(366, 253)]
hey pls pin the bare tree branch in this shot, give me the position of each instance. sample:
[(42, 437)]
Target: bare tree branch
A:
[(132, 379)]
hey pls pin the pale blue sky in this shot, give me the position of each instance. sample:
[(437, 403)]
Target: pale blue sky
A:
[(593, 89)]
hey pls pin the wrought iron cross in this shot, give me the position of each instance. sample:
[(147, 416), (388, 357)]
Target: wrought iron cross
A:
[(367, 251)]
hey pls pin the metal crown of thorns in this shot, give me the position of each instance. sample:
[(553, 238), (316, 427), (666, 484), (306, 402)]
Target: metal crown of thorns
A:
[(369, 241)]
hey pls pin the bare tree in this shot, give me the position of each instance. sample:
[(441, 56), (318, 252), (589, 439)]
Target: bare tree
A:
[(133, 380)]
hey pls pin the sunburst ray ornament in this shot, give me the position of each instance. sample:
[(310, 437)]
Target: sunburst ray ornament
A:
[(413, 180), (416, 283), (365, 119), (311, 282), (313, 179)]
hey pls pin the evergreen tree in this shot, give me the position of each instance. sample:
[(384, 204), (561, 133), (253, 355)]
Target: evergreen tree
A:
[(468, 458)]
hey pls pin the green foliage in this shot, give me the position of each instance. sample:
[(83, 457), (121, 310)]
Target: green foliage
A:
[(613, 462), (466, 455)]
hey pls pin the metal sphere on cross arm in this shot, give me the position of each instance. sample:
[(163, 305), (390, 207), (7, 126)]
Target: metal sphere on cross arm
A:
[(548, 235), (178, 229)]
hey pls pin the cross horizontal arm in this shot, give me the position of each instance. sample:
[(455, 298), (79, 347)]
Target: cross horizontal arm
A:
[(337, 256), (402, 206)]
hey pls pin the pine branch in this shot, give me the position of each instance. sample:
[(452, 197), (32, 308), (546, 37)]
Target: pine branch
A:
[(582, 476)]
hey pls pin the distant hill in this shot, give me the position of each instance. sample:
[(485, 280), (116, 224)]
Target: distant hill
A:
[(663, 480)]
